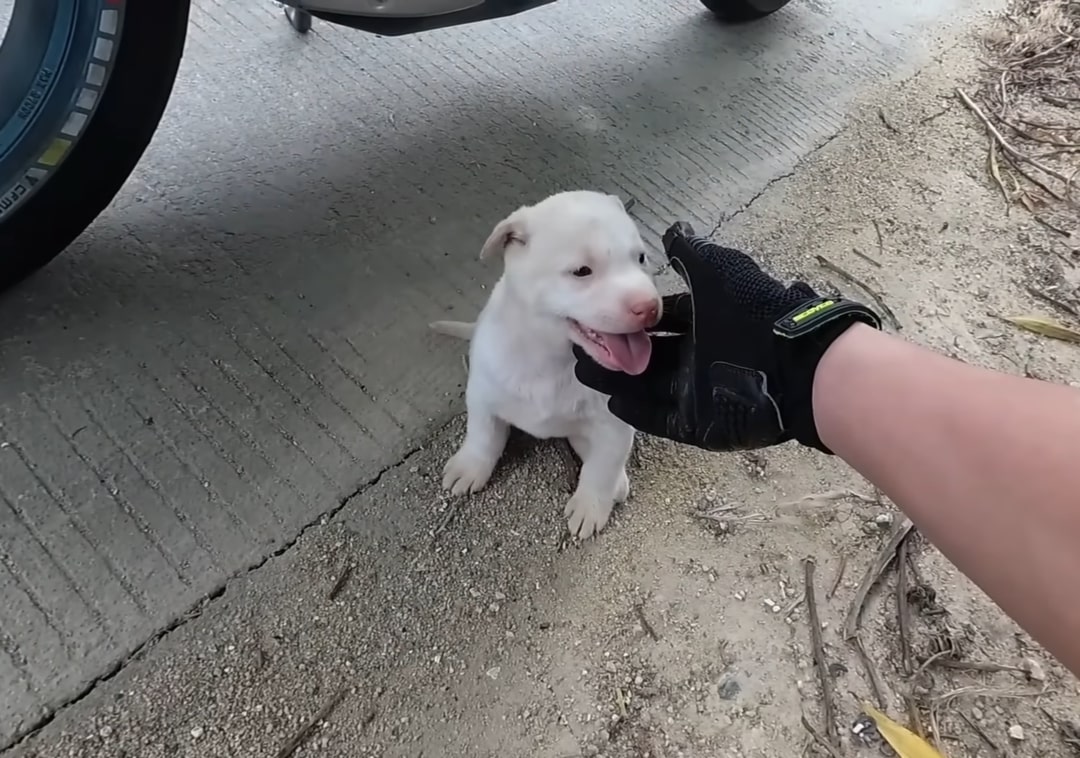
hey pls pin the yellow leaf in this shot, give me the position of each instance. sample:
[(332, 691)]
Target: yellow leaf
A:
[(906, 743), (1045, 327)]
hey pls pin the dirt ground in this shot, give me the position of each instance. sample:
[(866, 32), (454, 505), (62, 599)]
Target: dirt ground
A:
[(476, 629)]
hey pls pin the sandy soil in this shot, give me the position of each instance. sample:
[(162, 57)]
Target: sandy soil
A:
[(476, 629)]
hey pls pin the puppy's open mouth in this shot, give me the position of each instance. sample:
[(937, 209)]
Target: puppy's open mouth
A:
[(628, 353)]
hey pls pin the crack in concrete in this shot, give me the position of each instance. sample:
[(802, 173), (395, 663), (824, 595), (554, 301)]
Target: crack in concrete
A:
[(197, 610), (776, 180), (934, 60)]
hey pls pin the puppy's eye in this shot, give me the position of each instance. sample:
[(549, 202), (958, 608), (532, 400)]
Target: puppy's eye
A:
[(582, 272), (641, 258)]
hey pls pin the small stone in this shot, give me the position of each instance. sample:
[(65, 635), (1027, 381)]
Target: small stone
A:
[(729, 688), (976, 713), (883, 519), (1016, 732), (105, 732), (493, 672), (1033, 669), (196, 732)]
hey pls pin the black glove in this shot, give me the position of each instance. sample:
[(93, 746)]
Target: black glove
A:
[(737, 370)]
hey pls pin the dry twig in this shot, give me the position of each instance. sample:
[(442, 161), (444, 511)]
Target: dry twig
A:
[(828, 697), (903, 611), (1068, 732), (839, 577), (339, 585), (822, 498), (1004, 143), (995, 172), (913, 716), (871, 670), (1043, 54), (301, 736), (448, 516), (1033, 179), (1048, 298), (1035, 137), (866, 257), (1053, 227), (874, 571), (639, 610), (986, 667), (885, 120), (820, 739), (880, 237), (941, 701), (852, 279), (982, 735)]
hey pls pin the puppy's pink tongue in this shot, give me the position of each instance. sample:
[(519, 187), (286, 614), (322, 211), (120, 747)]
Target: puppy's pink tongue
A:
[(629, 352)]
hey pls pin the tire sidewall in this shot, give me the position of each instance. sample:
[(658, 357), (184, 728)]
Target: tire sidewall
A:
[(148, 46)]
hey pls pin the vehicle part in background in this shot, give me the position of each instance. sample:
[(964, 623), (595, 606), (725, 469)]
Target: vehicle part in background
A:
[(395, 8), (299, 12), (83, 85), (394, 18), (743, 10), (300, 19)]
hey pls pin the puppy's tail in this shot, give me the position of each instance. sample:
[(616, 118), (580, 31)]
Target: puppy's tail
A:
[(463, 330)]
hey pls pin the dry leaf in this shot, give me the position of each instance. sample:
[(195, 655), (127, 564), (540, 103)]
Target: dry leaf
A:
[(907, 744), (1045, 327)]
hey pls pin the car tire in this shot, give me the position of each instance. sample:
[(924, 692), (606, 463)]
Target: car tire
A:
[(137, 54), (743, 10)]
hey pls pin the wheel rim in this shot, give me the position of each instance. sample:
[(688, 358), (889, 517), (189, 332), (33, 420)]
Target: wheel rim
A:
[(55, 61)]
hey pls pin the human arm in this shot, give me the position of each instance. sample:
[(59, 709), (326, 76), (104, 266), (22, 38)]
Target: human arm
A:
[(985, 464)]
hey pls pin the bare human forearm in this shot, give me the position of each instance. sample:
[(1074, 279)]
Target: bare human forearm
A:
[(986, 465)]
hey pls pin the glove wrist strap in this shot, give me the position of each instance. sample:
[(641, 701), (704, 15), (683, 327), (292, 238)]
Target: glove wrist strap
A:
[(811, 316), (808, 331)]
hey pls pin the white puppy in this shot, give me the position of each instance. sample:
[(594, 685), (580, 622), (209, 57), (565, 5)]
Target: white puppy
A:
[(574, 272)]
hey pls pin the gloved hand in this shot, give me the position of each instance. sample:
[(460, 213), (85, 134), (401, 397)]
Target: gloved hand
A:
[(736, 370)]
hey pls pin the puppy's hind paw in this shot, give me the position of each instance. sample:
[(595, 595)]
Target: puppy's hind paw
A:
[(587, 514), (465, 473)]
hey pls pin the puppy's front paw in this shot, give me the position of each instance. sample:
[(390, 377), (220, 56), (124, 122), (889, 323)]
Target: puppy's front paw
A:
[(466, 472), (586, 514), (622, 489)]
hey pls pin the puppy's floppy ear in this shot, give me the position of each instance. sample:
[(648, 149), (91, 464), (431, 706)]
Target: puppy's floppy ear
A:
[(510, 231)]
